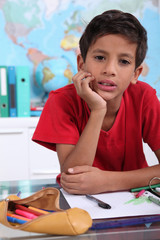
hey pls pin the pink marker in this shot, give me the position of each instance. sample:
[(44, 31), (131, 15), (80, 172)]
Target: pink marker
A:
[(140, 193), (25, 214)]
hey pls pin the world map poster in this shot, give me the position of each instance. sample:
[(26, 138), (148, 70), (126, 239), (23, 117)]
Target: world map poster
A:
[(44, 35)]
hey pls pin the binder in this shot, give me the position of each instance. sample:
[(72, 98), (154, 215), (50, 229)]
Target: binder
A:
[(4, 109), (23, 91), (12, 91)]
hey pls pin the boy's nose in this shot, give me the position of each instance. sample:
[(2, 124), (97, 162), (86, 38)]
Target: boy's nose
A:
[(109, 68)]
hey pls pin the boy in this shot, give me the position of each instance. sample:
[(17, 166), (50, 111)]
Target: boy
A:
[(97, 124)]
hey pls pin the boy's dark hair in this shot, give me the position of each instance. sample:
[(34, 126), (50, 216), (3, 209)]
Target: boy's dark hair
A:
[(115, 22)]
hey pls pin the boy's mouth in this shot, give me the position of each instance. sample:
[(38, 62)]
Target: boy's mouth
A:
[(107, 85)]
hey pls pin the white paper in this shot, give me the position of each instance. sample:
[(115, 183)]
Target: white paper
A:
[(123, 204)]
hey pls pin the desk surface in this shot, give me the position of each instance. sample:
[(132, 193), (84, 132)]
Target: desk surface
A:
[(139, 232)]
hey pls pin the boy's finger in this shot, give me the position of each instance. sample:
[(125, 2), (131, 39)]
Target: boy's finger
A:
[(79, 169)]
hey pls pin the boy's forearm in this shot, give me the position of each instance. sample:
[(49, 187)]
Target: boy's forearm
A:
[(130, 179), (85, 150)]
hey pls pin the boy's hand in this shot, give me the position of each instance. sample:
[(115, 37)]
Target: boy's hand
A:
[(82, 180), (83, 82)]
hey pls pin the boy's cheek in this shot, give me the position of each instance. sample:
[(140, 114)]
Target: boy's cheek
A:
[(92, 85)]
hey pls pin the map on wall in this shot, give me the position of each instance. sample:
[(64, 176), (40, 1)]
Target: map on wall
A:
[(44, 35)]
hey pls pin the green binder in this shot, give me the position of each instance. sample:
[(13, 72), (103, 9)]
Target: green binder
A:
[(4, 98)]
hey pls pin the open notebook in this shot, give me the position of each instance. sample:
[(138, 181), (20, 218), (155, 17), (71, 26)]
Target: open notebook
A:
[(123, 204)]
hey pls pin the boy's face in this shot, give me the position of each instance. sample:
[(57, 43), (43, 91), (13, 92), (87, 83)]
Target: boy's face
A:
[(111, 60)]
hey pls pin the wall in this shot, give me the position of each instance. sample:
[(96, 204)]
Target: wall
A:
[(44, 35)]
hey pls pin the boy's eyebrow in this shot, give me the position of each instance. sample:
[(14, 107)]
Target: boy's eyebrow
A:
[(98, 50), (127, 55)]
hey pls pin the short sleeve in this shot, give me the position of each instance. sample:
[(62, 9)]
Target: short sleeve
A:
[(57, 123), (151, 121)]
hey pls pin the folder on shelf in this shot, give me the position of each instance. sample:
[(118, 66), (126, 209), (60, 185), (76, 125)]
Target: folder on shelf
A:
[(4, 108), (12, 91), (23, 91)]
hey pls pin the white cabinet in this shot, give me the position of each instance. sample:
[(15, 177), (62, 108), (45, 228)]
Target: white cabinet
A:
[(43, 162), (13, 154), (20, 157)]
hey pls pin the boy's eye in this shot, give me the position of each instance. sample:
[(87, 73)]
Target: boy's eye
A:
[(124, 62), (100, 58)]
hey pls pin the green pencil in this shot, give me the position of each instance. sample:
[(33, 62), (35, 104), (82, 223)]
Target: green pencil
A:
[(145, 188)]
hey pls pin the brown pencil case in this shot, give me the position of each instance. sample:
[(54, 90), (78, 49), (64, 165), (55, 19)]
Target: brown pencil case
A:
[(73, 221)]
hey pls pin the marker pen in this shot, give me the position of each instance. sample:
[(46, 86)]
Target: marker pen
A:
[(140, 193), (15, 220), (25, 214), (154, 200), (17, 216), (100, 203), (29, 209), (38, 211)]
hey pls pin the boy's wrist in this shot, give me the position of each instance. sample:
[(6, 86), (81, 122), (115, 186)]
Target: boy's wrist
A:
[(101, 112), (111, 181)]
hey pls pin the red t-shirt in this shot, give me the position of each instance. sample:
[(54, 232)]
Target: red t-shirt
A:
[(120, 149)]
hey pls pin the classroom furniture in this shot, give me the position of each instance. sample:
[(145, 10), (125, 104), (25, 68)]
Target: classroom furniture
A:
[(21, 158), (139, 232)]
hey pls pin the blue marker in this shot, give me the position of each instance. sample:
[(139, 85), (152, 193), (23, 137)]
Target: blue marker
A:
[(15, 220)]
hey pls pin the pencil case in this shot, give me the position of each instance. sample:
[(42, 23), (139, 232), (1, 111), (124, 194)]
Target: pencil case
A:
[(73, 221)]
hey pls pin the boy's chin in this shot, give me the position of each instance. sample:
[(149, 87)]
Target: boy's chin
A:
[(105, 96)]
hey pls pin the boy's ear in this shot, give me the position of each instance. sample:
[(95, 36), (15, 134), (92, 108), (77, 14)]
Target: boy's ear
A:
[(137, 73), (80, 63)]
